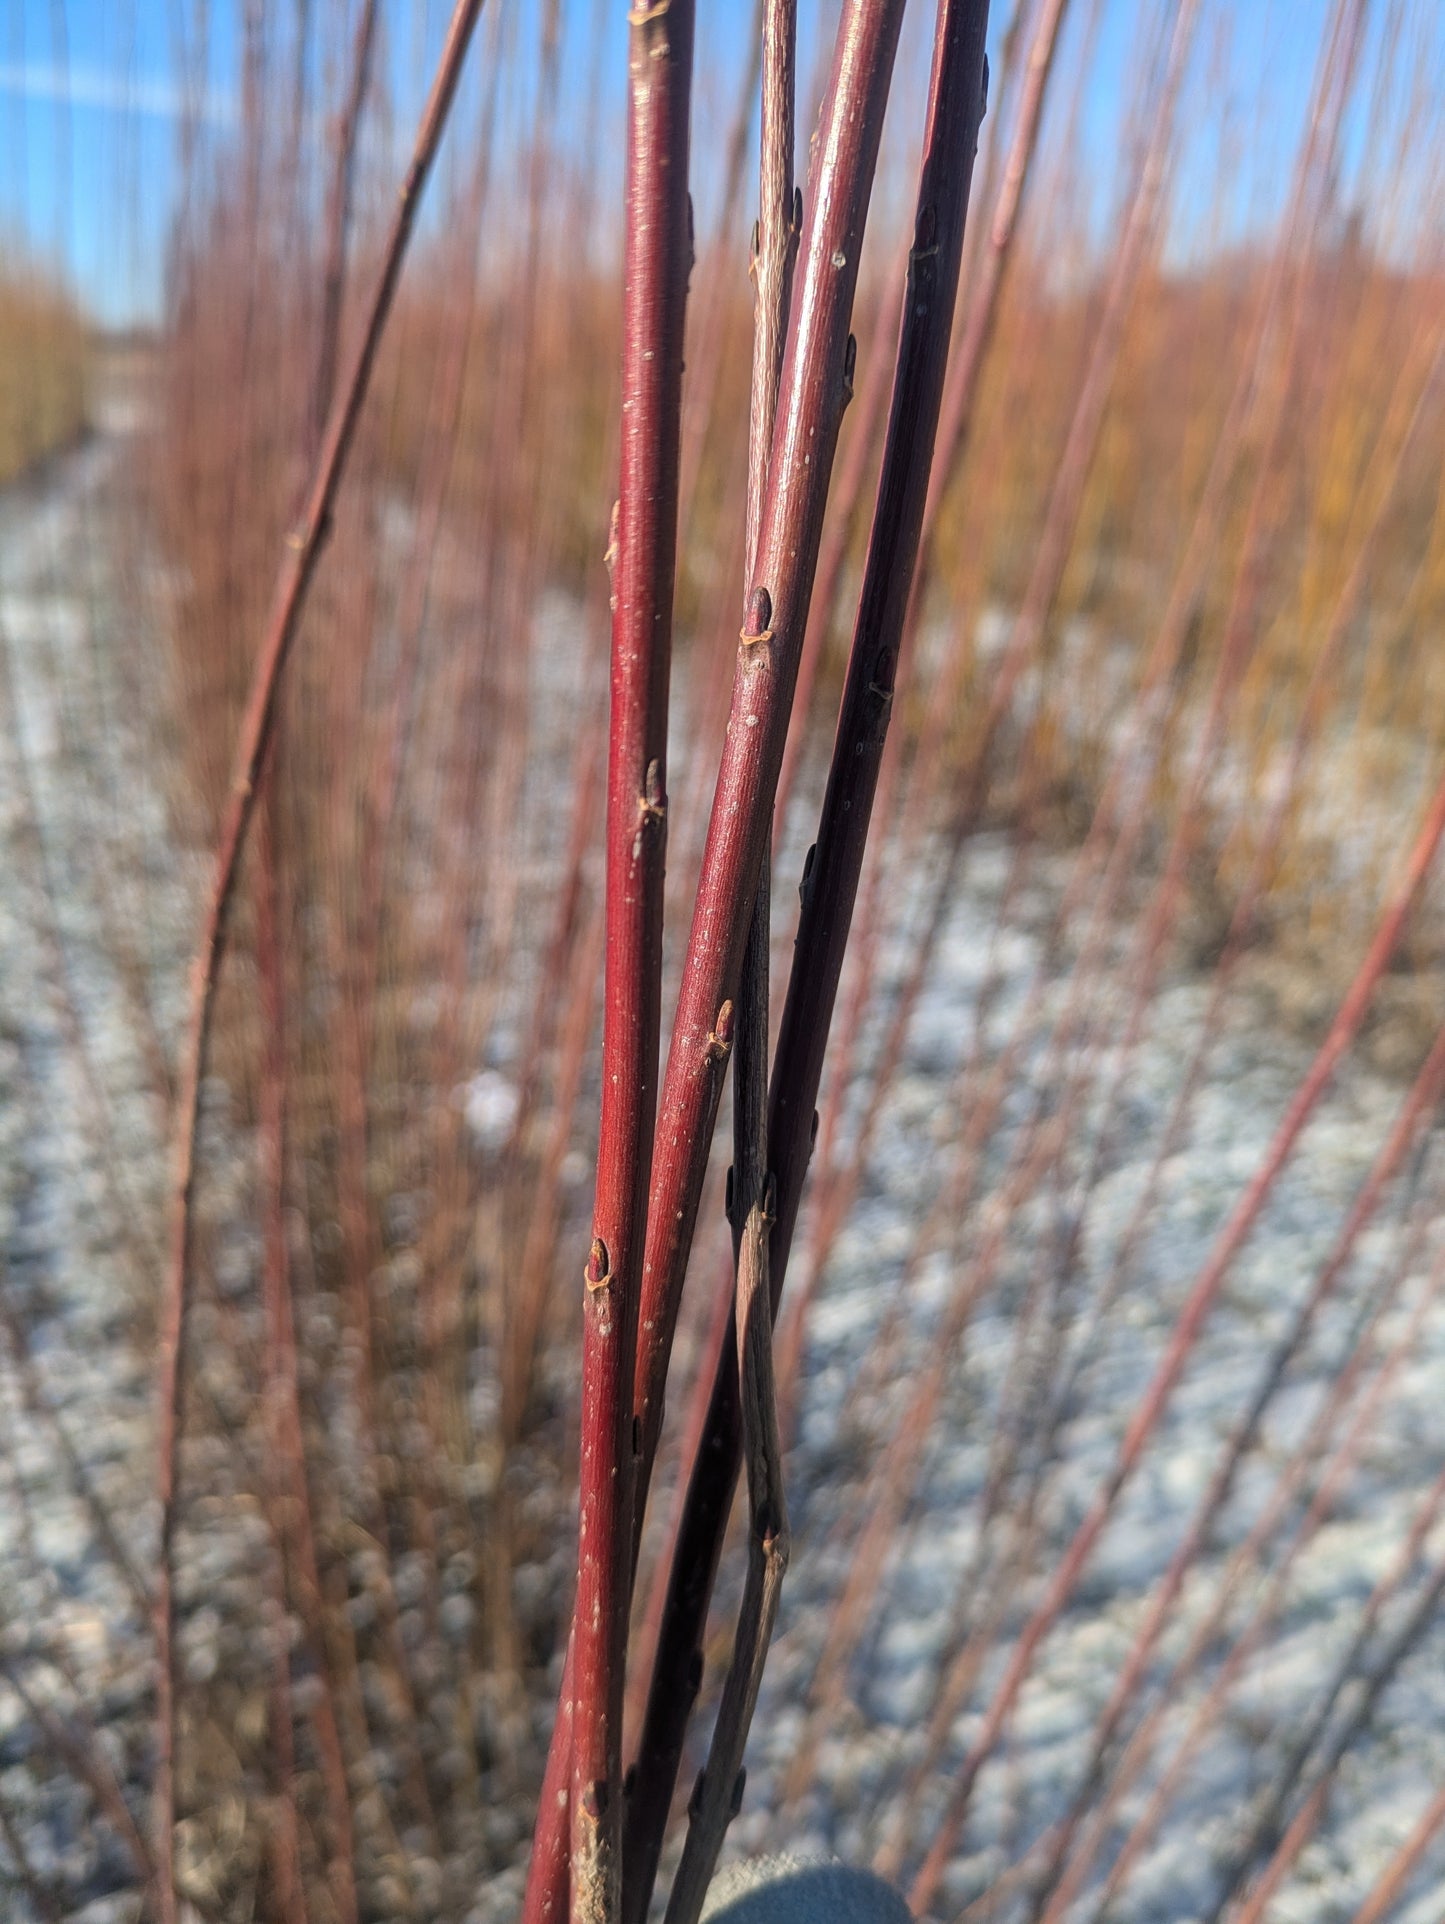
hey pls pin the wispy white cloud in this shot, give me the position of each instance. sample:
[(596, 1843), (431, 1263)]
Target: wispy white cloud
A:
[(113, 93)]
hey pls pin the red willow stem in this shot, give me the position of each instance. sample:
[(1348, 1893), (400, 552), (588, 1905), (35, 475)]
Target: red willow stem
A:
[(338, 218), (956, 105), (1060, 525), (710, 307), (849, 499), (774, 253), (718, 1795), (286, 1491), (839, 243), (303, 550), (955, 110), (1385, 1893), (960, 389), (815, 387), (956, 414), (816, 383), (657, 261)]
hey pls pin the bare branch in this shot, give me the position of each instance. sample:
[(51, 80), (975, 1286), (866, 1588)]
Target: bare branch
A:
[(297, 570)]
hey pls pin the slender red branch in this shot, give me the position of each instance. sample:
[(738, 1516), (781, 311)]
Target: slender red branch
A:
[(298, 567), (956, 104), (816, 381), (815, 386), (717, 1798), (1385, 1893), (657, 264), (849, 501), (340, 197), (956, 415), (287, 1493)]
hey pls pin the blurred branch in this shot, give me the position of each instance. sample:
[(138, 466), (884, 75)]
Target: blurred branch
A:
[(304, 548)]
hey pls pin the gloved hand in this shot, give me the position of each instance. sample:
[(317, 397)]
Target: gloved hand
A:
[(791, 1890)]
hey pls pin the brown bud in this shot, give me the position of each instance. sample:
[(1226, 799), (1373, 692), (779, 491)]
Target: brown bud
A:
[(598, 1273)]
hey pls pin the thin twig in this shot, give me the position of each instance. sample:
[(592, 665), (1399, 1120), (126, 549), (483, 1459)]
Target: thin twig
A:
[(718, 1795), (814, 391), (956, 103), (658, 262), (285, 1458), (298, 567), (657, 265)]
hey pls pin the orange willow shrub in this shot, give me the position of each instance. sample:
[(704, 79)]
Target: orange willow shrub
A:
[(44, 363)]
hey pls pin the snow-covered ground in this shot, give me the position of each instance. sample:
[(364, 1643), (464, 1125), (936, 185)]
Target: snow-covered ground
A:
[(874, 1735), (81, 1175), (79, 1265)]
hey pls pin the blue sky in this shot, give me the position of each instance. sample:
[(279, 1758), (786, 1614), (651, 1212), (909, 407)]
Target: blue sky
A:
[(94, 95)]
